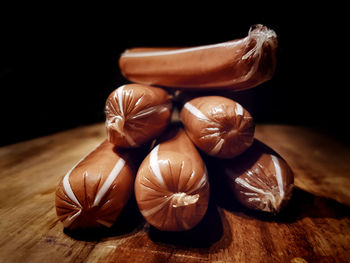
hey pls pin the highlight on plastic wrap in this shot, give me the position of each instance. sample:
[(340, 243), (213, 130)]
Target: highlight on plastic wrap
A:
[(218, 126), (235, 65), (95, 190), (171, 186), (135, 114)]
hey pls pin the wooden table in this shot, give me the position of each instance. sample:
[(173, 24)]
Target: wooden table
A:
[(315, 227)]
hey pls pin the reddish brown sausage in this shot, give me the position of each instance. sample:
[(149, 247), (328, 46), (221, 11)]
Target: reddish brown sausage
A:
[(218, 126), (236, 65), (260, 179), (95, 190), (172, 187), (136, 114)]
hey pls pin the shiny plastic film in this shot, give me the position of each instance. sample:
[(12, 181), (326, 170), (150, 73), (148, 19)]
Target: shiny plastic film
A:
[(260, 179), (172, 187), (95, 190), (135, 114), (218, 126), (235, 65)]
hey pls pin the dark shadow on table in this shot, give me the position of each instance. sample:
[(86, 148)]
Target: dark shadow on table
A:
[(129, 222)]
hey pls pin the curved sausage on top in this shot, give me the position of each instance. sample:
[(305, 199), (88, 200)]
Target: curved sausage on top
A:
[(234, 65)]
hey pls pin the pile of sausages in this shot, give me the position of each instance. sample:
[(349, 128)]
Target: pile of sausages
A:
[(171, 185)]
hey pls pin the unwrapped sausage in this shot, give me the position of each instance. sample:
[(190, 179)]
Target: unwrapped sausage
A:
[(95, 190), (235, 65), (136, 114), (172, 187), (218, 126)]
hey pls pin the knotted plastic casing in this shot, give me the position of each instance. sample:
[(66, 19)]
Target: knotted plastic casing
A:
[(260, 178), (218, 126), (135, 114), (172, 187), (95, 190), (234, 65)]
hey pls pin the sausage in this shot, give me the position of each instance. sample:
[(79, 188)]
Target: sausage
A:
[(136, 114), (235, 65), (260, 179), (95, 190), (218, 126), (171, 186)]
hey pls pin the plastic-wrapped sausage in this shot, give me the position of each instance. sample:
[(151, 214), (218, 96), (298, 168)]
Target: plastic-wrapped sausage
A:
[(95, 190), (172, 187), (136, 114), (218, 126), (260, 178), (235, 65)]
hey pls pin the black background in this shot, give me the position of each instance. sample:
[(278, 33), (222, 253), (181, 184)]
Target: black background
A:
[(58, 63)]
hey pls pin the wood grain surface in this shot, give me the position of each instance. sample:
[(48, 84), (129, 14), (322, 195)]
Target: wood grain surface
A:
[(315, 227)]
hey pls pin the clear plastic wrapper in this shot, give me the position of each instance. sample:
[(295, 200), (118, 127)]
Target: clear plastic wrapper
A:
[(172, 187), (135, 114), (218, 126), (96, 189), (235, 65)]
